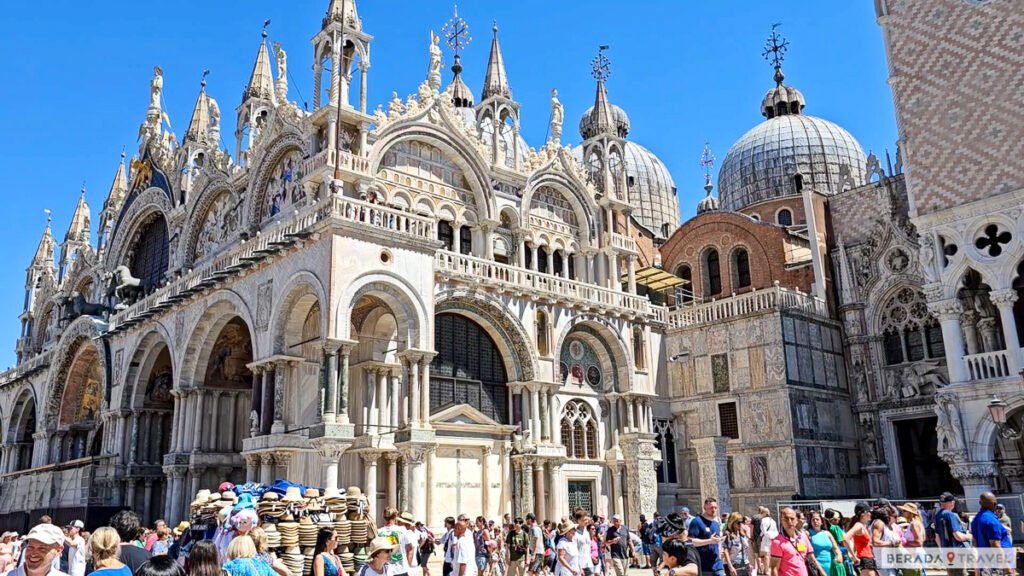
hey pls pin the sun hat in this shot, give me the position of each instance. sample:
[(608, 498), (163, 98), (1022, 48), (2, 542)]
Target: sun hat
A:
[(202, 497), (47, 534), (407, 518), (292, 494), (378, 544), (181, 528), (311, 493), (910, 507), (565, 527), (225, 486)]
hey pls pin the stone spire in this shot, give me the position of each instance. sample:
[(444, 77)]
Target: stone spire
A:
[(343, 11), (496, 81), (112, 205), (205, 115), (603, 118), (43, 258), (261, 81), (78, 230)]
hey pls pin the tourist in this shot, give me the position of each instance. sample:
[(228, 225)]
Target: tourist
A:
[(654, 544), (378, 561), (883, 536), (736, 547), (154, 535), (679, 559), (835, 522), (160, 566), (791, 551), (481, 542), (914, 534), (595, 550), (826, 547), (1004, 518), (517, 542), (582, 540), (397, 535), (41, 549), (705, 533), (535, 551), (567, 552), (424, 548), (616, 540), (242, 560), (75, 545), (325, 562), (259, 539), (128, 528), (858, 540), (448, 545), (202, 560), (464, 563), (163, 541), (104, 549), (768, 530), (988, 532), (6, 552)]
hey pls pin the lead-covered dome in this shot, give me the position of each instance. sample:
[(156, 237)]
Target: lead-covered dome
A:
[(760, 166), (589, 127)]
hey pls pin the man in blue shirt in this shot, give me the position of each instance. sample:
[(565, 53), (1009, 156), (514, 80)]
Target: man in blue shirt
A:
[(949, 531), (706, 534), (988, 531)]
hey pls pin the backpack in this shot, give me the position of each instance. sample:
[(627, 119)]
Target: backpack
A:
[(756, 533), (548, 545), (646, 533)]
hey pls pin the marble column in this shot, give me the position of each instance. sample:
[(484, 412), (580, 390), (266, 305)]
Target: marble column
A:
[(545, 419), (391, 498), (266, 469), (396, 397), (415, 458), (252, 464), (556, 487), (535, 435), (615, 471), (613, 413), (330, 405), (553, 418), (370, 458), (505, 497), (256, 401), (195, 481), (714, 470), (630, 422), (538, 490), (330, 455), (215, 435), (363, 68), (133, 449), (976, 479), (425, 389), (267, 404), (631, 271), (342, 409), (130, 497), (233, 419), (524, 399), (415, 418), (147, 500), (383, 414), (1004, 301), (948, 313), (485, 481), (279, 393)]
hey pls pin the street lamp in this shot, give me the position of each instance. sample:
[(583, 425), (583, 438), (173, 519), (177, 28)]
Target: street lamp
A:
[(997, 409)]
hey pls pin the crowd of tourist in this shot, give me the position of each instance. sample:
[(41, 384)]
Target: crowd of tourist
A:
[(815, 543)]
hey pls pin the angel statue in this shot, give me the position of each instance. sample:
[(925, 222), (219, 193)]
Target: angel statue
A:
[(557, 116), (254, 423), (434, 70)]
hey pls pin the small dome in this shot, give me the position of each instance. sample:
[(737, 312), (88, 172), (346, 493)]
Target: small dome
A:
[(650, 189), (782, 100), (588, 126), (760, 166), (708, 203)]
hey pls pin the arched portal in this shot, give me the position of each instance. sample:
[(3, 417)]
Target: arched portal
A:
[(80, 403), (20, 431), (149, 254), (468, 368), (376, 329), (222, 392)]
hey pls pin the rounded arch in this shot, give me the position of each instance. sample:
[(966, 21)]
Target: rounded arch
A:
[(504, 329), (584, 207), (409, 309), (214, 217), (224, 307), (23, 413), (139, 213), (149, 367), (611, 342), (82, 332), (302, 292), (266, 164), (456, 147), (982, 445)]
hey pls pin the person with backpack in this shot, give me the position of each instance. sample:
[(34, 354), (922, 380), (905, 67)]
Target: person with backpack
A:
[(536, 548), (426, 547), (517, 542)]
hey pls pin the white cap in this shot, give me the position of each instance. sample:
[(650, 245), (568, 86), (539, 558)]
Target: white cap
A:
[(77, 524), (47, 534)]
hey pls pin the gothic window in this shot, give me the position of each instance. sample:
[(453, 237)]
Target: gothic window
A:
[(741, 265), (784, 217), (684, 293), (579, 430), (639, 351), (468, 369), (712, 273), (149, 255), (446, 234), (465, 240), (542, 334), (542, 259), (665, 441), (728, 422), (909, 332)]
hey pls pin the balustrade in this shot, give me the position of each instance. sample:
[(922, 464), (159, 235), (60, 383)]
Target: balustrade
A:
[(988, 365), (744, 304)]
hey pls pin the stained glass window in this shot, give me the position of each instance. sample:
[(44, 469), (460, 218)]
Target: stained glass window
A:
[(468, 369)]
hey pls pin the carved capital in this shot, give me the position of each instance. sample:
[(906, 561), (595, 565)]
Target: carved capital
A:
[(416, 455), (330, 451), (1003, 298), (949, 309), (253, 459), (370, 456), (1012, 471), (391, 457), (974, 472)]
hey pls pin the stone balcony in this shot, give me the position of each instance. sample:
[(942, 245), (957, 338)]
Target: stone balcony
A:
[(740, 305), (504, 278), (39, 361), (324, 163)]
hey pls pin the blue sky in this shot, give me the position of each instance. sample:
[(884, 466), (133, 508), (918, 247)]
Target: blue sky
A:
[(76, 81)]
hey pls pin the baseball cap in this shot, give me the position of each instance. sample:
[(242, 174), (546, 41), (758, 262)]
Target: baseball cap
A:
[(46, 534), (947, 497), (1000, 507), (684, 510), (531, 516), (77, 524)]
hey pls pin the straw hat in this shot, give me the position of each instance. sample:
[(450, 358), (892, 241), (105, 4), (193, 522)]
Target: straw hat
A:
[(202, 497), (910, 507), (565, 527), (311, 493), (270, 497), (407, 518), (180, 528), (293, 494), (353, 492), (333, 494), (378, 544)]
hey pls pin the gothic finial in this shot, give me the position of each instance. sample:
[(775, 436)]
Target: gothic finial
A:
[(202, 82), (601, 66), (265, 24), (456, 33), (707, 162), (122, 153), (49, 216), (775, 52)]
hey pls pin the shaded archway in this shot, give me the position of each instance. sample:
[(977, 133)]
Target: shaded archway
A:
[(20, 431), (468, 369), (80, 404)]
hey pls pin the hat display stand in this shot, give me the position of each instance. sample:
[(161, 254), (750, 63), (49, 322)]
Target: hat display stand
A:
[(293, 520)]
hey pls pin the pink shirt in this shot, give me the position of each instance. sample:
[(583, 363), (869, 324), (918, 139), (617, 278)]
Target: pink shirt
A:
[(793, 557)]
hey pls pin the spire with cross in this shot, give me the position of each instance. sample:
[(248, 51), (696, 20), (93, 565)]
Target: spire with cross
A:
[(601, 66), (707, 162), (775, 52)]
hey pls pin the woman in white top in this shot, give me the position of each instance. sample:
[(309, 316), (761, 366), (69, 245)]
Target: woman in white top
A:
[(568, 554)]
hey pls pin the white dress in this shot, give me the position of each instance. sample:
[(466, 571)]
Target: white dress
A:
[(572, 558)]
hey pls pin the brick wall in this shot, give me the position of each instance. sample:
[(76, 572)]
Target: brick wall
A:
[(957, 74)]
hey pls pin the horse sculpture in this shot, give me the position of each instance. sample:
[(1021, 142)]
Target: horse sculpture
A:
[(126, 288), (82, 306)]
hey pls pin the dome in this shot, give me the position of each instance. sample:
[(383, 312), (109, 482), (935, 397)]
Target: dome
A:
[(651, 191), (619, 117), (708, 203), (760, 165)]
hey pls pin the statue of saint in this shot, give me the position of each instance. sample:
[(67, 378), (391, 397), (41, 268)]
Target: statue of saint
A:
[(434, 70), (557, 116), (156, 86), (282, 60)]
